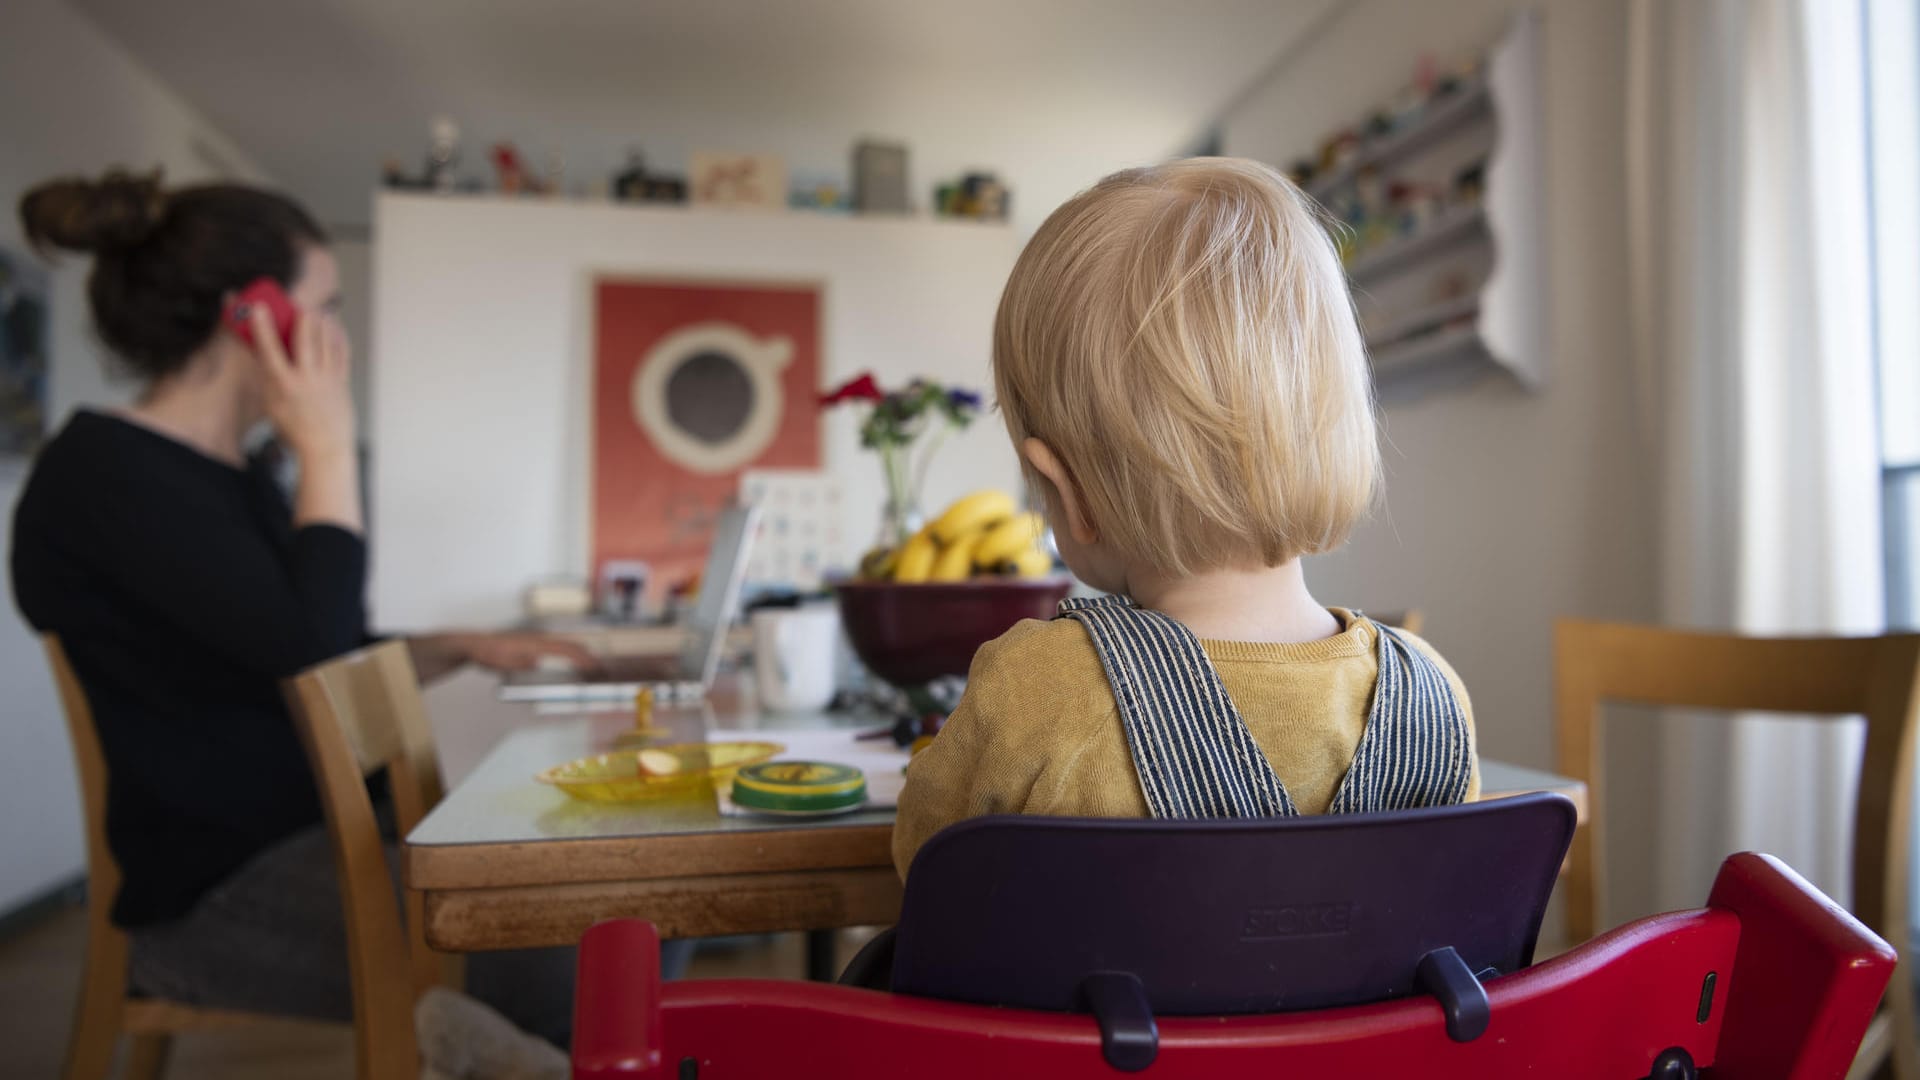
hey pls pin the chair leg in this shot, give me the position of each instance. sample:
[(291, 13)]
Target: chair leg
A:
[(1874, 1059), (822, 951), (103, 995), (1906, 1024), (148, 1061)]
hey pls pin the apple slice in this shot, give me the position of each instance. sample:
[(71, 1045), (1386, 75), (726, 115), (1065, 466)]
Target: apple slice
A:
[(658, 763)]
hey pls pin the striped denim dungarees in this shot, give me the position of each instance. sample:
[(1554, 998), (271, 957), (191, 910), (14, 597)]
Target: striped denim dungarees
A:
[(1196, 758)]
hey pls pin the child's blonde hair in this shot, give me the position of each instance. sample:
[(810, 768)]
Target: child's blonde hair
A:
[(1182, 337)]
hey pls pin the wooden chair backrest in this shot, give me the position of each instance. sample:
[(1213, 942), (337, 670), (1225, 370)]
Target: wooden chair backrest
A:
[(1412, 620), (1878, 677), (103, 873), (357, 714)]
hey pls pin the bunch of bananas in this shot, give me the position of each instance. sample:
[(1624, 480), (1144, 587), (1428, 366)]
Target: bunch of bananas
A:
[(985, 533)]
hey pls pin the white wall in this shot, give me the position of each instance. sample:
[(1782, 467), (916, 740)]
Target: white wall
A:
[(70, 101), (1505, 509), (355, 256), (481, 394)]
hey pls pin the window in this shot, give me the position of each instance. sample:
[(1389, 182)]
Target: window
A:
[(1893, 116)]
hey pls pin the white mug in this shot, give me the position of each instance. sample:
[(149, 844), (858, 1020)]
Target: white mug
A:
[(794, 652)]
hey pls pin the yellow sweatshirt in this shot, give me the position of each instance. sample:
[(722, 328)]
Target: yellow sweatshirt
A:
[(1038, 731)]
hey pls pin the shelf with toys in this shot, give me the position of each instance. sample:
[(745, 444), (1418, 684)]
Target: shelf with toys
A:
[(1421, 349), (1456, 104), (875, 185), (1423, 321), (1441, 202), (1461, 224)]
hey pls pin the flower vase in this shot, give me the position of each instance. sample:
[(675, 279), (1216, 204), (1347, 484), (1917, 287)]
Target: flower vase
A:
[(899, 519)]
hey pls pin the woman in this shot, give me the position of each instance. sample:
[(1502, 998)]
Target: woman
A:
[(184, 588)]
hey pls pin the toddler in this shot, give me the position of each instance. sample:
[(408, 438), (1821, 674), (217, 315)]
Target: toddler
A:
[(1178, 364)]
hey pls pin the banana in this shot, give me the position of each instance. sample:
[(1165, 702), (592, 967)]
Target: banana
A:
[(956, 559), (1008, 539), (975, 511), (877, 565), (1032, 563), (916, 558)]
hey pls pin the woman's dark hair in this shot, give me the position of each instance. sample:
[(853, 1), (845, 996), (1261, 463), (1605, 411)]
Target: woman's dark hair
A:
[(165, 260)]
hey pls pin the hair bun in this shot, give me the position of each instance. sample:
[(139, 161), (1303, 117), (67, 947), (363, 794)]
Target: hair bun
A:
[(116, 211)]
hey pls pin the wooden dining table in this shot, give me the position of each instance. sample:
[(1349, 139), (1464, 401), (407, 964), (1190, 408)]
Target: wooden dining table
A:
[(506, 862)]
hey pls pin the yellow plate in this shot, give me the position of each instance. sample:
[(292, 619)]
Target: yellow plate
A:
[(616, 776)]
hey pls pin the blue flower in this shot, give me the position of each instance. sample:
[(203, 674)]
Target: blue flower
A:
[(963, 399)]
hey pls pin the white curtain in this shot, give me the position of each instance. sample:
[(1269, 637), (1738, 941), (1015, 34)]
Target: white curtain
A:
[(1750, 242)]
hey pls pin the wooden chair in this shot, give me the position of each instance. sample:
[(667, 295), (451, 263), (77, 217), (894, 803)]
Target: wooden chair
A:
[(1878, 677), (105, 1011), (356, 715), (1412, 620)]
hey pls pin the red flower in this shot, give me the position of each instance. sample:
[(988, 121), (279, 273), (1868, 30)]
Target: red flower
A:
[(861, 388)]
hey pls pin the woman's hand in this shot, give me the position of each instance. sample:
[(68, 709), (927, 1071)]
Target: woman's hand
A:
[(523, 652), (308, 399), (438, 655), (307, 395)]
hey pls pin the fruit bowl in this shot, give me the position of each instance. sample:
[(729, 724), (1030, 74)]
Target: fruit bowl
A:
[(911, 634)]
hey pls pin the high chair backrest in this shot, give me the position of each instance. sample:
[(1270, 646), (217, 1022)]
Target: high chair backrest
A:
[(1771, 981), (1218, 917), (358, 714)]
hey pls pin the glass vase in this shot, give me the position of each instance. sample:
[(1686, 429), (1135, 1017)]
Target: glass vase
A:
[(899, 519)]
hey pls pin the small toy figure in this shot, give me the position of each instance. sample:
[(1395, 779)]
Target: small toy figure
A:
[(1469, 183), (443, 157), (635, 184), (510, 170), (394, 175), (443, 154), (989, 197), (629, 183), (978, 195)]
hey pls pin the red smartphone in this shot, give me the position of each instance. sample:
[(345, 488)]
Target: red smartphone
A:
[(264, 291)]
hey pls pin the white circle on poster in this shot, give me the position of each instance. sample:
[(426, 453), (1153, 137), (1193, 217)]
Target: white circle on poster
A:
[(709, 395)]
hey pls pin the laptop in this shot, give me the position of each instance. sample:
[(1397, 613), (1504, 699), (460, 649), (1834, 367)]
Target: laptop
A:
[(686, 677)]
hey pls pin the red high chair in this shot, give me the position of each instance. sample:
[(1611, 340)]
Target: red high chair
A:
[(1770, 980)]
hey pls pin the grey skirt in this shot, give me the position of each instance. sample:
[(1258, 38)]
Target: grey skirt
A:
[(271, 938)]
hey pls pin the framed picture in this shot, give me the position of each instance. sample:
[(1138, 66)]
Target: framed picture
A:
[(799, 539), (694, 383), (758, 181), (24, 354)]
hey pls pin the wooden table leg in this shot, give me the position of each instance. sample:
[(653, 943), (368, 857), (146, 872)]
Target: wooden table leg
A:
[(822, 965)]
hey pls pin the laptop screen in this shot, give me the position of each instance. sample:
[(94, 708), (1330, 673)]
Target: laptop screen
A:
[(719, 593)]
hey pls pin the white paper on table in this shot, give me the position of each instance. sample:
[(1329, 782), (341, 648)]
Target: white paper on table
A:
[(882, 761)]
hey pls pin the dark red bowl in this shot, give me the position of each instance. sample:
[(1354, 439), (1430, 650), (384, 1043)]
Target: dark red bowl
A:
[(913, 634)]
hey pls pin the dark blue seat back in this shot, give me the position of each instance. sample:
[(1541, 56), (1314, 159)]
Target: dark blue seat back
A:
[(1218, 917)]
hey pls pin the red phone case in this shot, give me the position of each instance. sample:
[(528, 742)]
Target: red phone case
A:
[(268, 292)]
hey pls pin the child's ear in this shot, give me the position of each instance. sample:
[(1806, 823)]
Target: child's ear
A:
[(1049, 465)]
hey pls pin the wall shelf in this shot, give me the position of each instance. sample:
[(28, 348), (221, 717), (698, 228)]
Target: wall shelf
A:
[(1447, 228), (1465, 294), (1417, 352), (1467, 105), (1424, 321)]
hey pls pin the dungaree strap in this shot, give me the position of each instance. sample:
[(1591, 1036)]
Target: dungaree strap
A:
[(1191, 749), (1417, 750)]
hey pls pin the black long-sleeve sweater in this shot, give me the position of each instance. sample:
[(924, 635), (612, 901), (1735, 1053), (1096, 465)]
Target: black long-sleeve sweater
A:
[(183, 594)]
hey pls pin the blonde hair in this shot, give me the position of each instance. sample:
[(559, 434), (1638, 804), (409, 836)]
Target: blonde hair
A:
[(1182, 337)]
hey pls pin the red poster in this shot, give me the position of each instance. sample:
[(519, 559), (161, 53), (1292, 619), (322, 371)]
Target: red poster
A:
[(694, 383)]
